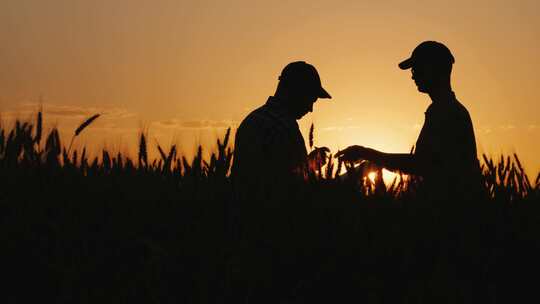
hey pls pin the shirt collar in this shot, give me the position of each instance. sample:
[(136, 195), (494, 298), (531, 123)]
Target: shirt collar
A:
[(445, 99), (276, 104), (441, 103)]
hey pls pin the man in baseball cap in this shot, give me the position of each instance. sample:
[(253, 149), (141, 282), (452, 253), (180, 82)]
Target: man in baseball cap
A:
[(303, 76), (429, 52), (445, 152), (269, 147), (269, 167)]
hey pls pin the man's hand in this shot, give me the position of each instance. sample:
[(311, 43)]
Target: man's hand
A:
[(356, 153), (318, 157)]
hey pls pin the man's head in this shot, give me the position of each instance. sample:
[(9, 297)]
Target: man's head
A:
[(431, 65), (300, 85)]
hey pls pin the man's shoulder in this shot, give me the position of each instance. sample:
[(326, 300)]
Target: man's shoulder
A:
[(257, 118), (458, 113), (266, 118), (448, 111), (461, 109)]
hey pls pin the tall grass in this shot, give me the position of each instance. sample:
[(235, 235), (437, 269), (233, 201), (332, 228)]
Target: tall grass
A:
[(107, 228), (504, 177)]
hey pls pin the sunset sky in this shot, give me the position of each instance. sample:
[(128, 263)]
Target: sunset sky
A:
[(185, 70)]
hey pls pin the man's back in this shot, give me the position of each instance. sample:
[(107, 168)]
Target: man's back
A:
[(268, 147), (446, 147)]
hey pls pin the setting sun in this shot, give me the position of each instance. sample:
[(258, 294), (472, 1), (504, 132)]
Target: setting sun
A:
[(372, 176), (188, 71), (188, 151), (388, 176)]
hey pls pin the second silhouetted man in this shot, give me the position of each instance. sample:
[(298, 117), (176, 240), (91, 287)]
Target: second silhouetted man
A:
[(445, 154)]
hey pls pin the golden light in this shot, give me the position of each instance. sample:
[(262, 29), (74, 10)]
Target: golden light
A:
[(388, 177), (372, 175)]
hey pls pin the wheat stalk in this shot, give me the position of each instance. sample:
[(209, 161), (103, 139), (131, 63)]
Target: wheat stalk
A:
[(311, 129), (39, 127), (81, 128), (143, 154)]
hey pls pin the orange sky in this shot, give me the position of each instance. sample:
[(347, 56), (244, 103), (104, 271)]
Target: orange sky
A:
[(187, 69)]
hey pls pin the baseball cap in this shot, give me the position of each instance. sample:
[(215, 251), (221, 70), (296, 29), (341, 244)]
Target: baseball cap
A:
[(304, 75), (432, 52)]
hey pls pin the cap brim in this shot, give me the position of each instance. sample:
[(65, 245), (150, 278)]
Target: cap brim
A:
[(406, 64), (324, 94)]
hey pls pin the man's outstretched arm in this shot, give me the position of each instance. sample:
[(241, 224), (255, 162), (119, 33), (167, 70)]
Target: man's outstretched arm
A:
[(404, 162)]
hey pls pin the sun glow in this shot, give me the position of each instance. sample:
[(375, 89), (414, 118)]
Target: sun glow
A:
[(388, 176), (372, 176)]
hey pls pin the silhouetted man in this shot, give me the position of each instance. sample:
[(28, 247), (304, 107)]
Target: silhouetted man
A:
[(270, 159), (269, 148), (445, 152)]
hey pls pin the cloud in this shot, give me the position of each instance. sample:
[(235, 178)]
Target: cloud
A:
[(341, 128), (507, 127), (117, 113), (66, 111), (333, 128), (195, 124)]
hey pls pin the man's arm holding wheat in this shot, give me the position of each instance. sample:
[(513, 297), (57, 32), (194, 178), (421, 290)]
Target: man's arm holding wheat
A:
[(405, 162)]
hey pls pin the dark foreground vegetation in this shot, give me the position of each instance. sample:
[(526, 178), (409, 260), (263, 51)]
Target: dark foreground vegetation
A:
[(116, 230)]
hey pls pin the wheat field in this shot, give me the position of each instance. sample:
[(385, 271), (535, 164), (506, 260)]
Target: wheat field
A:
[(107, 228)]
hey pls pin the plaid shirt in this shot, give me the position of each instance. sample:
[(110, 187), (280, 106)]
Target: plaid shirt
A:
[(269, 146)]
